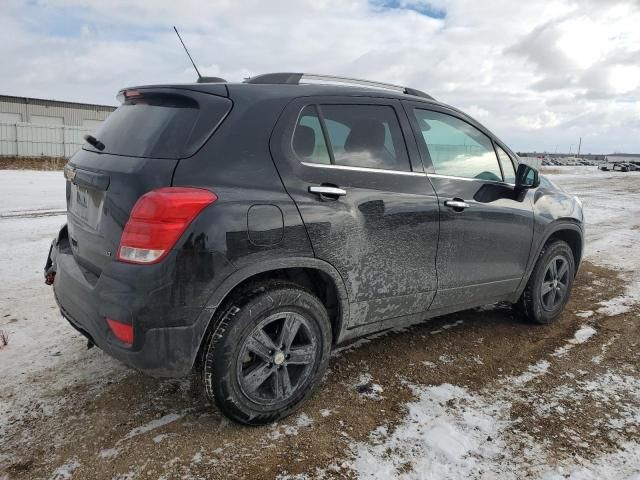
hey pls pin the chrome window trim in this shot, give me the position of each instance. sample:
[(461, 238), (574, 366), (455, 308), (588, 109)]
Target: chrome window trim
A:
[(470, 179), (361, 169)]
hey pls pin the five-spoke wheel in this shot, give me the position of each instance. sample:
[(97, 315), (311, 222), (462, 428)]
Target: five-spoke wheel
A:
[(555, 283), (266, 351), (276, 357), (549, 285)]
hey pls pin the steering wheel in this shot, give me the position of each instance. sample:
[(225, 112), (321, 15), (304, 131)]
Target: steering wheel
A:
[(487, 175)]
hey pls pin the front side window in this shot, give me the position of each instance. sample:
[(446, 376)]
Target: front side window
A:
[(457, 148), (507, 166), (366, 136)]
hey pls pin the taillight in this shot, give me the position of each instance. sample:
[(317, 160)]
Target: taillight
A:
[(122, 331), (157, 221)]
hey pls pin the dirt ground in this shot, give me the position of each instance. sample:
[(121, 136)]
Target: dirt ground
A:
[(95, 434), (32, 163)]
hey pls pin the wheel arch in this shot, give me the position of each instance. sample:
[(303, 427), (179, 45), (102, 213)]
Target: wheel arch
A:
[(316, 275), (573, 236), (567, 230)]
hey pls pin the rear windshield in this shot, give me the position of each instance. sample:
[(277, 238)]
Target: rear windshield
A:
[(160, 125)]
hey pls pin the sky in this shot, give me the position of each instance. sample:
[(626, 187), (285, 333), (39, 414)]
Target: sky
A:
[(540, 74)]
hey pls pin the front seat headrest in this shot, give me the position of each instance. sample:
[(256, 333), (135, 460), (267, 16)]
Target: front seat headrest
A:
[(304, 141), (366, 134)]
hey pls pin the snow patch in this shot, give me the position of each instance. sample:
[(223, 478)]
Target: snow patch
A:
[(583, 334), (109, 453), (161, 437), (534, 371), (367, 388), (623, 465), (302, 421), (153, 424), (616, 306), (65, 472), (434, 439)]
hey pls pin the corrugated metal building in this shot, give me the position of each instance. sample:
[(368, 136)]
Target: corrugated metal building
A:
[(623, 158), (51, 112), (31, 127)]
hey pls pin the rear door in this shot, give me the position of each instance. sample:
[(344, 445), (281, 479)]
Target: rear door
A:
[(142, 142), (352, 167), (486, 226)]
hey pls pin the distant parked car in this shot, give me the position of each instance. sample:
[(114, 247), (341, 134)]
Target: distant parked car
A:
[(604, 168), (620, 167)]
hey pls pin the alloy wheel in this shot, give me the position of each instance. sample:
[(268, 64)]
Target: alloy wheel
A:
[(555, 283), (277, 358)]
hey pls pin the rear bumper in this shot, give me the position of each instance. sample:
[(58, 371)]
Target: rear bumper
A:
[(167, 334)]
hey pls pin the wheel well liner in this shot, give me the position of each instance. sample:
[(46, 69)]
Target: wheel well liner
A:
[(316, 275), (573, 238), (565, 230)]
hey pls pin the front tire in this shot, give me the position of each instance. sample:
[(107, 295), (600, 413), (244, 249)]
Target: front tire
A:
[(267, 352), (549, 286)]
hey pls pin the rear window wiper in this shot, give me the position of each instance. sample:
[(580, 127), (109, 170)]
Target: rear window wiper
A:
[(91, 140)]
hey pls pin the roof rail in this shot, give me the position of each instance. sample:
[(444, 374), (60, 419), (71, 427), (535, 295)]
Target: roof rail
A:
[(298, 78)]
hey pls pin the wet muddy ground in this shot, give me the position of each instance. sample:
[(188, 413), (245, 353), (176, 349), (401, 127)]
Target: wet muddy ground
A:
[(130, 426)]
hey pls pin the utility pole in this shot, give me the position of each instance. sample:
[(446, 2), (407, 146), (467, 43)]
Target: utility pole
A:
[(579, 145)]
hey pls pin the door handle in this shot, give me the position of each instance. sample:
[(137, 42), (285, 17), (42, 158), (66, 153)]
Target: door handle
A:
[(457, 204), (328, 191)]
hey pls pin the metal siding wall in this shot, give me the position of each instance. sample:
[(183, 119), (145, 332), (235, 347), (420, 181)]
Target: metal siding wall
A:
[(73, 139), (30, 140), (8, 139), (72, 113)]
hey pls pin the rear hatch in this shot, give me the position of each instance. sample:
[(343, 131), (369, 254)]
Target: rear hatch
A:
[(137, 150)]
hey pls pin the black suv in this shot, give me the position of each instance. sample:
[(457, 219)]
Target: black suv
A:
[(243, 230)]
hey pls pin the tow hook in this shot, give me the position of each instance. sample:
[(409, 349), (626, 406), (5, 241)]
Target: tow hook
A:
[(49, 277)]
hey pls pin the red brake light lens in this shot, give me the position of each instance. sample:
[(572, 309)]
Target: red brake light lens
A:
[(157, 221), (122, 331)]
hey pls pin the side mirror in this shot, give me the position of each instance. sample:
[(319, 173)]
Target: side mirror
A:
[(527, 177)]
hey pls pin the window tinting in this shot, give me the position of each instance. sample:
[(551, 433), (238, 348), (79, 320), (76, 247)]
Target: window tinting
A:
[(456, 148), (308, 140), (507, 166), (366, 136), (159, 126)]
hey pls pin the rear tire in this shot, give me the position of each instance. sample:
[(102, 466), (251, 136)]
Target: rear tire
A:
[(550, 283), (267, 352)]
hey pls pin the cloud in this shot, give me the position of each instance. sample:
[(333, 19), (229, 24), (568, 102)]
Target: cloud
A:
[(538, 73)]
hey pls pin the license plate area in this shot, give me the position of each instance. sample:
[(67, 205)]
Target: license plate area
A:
[(86, 205)]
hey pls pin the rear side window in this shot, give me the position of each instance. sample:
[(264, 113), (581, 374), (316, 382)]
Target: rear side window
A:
[(308, 140), (160, 125), (366, 136), (457, 148)]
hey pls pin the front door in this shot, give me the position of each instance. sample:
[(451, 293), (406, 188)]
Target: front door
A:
[(366, 202), (486, 226)]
